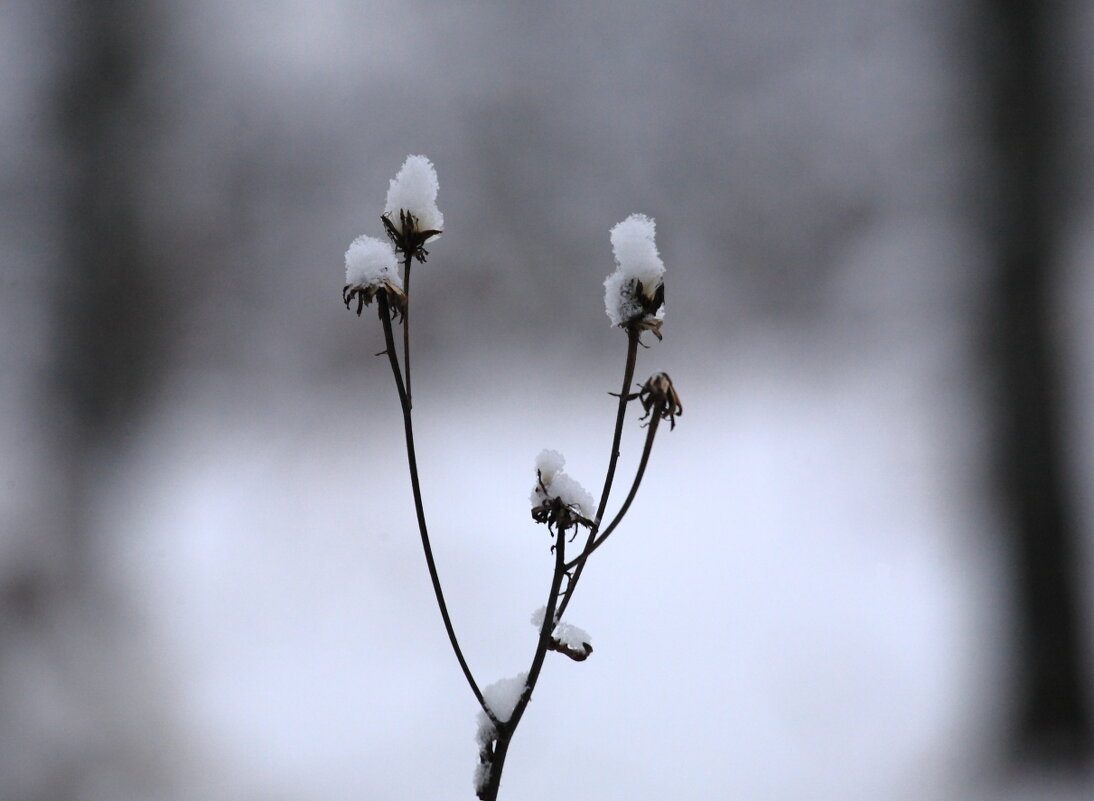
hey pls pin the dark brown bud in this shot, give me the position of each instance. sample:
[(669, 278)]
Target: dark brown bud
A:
[(406, 237), (658, 397), (364, 294)]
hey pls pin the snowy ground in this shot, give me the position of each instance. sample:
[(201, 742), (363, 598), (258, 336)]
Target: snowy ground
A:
[(801, 604)]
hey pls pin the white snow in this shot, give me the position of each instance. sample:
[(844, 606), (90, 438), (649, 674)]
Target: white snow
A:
[(414, 188), (636, 252), (503, 694), (571, 636), (502, 697), (558, 484), (636, 260), (548, 463), (371, 262), (566, 633)]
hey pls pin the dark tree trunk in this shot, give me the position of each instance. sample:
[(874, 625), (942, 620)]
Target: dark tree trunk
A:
[(61, 634), (1051, 724)]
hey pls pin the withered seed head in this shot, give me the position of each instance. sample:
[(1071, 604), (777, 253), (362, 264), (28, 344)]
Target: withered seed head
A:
[(406, 237), (658, 397), (365, 294)]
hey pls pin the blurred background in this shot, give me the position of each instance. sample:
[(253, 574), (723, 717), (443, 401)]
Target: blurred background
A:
[(859, 568)]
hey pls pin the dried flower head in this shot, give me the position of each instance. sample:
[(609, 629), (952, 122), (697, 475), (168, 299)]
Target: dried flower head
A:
[(411, 217), (658, 397), (634, 295), (557, 499), (371, 269)]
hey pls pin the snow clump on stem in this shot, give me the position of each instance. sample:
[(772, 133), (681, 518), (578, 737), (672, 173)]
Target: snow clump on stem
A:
[(635, 293), (501, 698)]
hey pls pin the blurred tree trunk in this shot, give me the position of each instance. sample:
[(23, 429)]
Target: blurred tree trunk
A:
[(1052, 724), (73, 695)]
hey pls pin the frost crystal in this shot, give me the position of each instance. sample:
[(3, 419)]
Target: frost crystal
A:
[(637, 262), (414, 189), (554, 482), (371, 262)]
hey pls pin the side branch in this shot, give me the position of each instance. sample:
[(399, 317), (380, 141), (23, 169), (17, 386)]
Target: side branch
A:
[(579, 562), (620, 415), (404, 402)]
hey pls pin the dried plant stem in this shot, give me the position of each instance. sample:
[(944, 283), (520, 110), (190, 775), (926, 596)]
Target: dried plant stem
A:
[(407, 260), (609, 477), (506, 730), (404, 401), (592, 546)]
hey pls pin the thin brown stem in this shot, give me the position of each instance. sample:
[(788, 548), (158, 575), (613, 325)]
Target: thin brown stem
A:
[(404, 401), (508, 728), (652, 432), (620, 415), (406, 327)]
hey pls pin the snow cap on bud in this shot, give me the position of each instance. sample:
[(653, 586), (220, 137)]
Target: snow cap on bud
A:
[(414, 190), (371, 262), (371, 270), (555, 491), (635, 292), (636, 253), (548, 463)]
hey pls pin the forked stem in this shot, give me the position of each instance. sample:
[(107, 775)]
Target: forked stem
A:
[(506, 730), (594, 544), (621, 412)]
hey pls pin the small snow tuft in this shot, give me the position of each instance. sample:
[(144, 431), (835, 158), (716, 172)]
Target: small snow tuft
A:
[(549, 463), (570, 492), (556, 483), (371, 262), (572, 637), (414, 189), (635, 250), (502, 696)]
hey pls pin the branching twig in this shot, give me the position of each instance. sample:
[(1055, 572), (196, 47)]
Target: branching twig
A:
[(506, 730), (624, 397), (651, 433)]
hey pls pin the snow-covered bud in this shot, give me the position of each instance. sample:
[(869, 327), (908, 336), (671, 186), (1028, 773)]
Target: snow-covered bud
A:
[(411, 217), (634, 295), (571, 641), (557, 499), (371, 268), (659, 399), (566, 638)]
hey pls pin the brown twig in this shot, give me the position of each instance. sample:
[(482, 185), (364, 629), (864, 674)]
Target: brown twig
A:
[(506, 729), (407, 259), (625, 397), (404, 402), (594, 544)]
